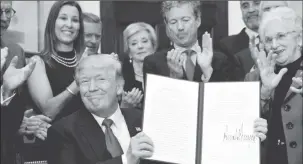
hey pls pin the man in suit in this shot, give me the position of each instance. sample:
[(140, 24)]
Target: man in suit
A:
[(92, 32), (235, 43), (102, 133), (186, 59), (13, 75), (244, 57)]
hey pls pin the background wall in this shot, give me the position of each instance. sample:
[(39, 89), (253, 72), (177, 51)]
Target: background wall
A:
[(236, 24), (27, 26)]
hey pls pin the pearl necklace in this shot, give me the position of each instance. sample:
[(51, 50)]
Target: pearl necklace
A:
[(68, 62)]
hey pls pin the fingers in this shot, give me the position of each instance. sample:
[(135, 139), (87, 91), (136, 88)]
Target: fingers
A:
[(271, 58), (4, 53), (280, 75), (297, 80), (29, 113), (296, 90), (206, 41), (28, 69), (43, 118), (14, 62), (261, 136)]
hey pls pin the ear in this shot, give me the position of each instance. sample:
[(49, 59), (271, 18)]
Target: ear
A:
[(119, 88), (300, 40), (198, 21)]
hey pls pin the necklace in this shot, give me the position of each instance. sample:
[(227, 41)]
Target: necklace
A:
[(68, 62)]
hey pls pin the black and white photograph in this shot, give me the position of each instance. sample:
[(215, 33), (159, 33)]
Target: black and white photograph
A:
[(151, 82)]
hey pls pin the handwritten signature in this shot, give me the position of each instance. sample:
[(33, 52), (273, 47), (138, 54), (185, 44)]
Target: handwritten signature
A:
[(238, 135)]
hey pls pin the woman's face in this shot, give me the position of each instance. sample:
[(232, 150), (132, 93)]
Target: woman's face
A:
[(67, 24), (281, 38), (140, 46)]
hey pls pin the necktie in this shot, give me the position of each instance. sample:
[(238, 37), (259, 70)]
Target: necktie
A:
[(189, 65), (112, 143)]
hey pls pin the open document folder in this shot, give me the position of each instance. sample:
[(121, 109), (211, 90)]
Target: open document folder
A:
[(201, 123)]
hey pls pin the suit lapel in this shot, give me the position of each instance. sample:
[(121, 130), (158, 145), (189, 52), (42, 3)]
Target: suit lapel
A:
[(242, 40), (133, 126), (92, 132)]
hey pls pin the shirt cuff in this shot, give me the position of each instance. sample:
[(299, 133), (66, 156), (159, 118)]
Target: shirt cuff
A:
[(124, 159), (7, 100)]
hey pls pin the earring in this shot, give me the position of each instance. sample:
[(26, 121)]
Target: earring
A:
[(130, 60)]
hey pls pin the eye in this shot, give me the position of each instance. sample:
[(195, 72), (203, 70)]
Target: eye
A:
[(281, 36), (75, 20), (173, 21), (133, 44), (63, 17), (268, 40)]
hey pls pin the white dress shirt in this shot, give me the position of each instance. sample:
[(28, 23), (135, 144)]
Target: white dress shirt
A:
[(196, 48), (251, 33), (7, 100), (119, 129)]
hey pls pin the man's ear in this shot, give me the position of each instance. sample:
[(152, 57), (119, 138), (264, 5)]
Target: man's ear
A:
[(119, 88)]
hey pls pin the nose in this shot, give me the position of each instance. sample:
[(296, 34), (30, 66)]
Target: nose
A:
[(274, 44), (140, 45), (180, 26), (68, 23), (3, 16), (92, 86), (94, 39)]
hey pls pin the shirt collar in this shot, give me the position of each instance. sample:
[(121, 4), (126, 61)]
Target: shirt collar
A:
[(251, 33), (195, 47), (117, 117)]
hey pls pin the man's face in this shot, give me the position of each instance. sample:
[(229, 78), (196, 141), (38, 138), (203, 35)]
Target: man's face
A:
[(92, 36), (182, 25), (250, 14), (6, 12), (98, 86)]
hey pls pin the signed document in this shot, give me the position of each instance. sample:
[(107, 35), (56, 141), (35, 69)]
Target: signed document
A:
[(201, 123), (228, 115)]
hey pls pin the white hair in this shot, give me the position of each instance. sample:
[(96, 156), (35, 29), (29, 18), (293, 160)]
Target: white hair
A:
[(284, 14)]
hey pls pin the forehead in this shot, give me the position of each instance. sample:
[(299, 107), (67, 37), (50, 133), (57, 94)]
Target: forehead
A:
[(275, 26), (181, 10), (92, 28), (68, 9), (139, 35), (6, 4), (269, 4), (249, 2)]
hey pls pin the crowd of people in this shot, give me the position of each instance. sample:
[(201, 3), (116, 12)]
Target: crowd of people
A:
[(87, 107)]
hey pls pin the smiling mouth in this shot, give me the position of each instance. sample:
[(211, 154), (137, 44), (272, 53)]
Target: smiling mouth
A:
[(279, 51)]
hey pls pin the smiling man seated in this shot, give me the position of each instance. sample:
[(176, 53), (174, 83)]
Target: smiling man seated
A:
[(102, 133)]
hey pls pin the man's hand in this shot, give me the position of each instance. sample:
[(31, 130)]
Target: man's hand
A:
[(4, 53), (14, 77), (205, 58), (141, 146), (35, 124), (260, 128), (175, 61), (132, 98), (297, 85)]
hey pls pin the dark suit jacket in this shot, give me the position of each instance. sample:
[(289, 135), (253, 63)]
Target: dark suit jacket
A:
[(128, 74), (78, 139), (245, 63), (11, 115), (157, 64), (231, 45)]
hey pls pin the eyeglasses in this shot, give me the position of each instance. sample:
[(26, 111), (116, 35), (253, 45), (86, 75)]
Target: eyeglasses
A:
[(8, 12), (278, 37)]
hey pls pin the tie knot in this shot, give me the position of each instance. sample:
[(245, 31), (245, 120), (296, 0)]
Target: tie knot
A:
[(188, 52), (107, 123)]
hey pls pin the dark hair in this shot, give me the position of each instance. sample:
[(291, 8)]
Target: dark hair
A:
[(50, 37)]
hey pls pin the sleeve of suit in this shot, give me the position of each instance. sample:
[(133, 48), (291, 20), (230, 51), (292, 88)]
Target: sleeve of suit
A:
[(148, 67), (12, 116), (62, 150)]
